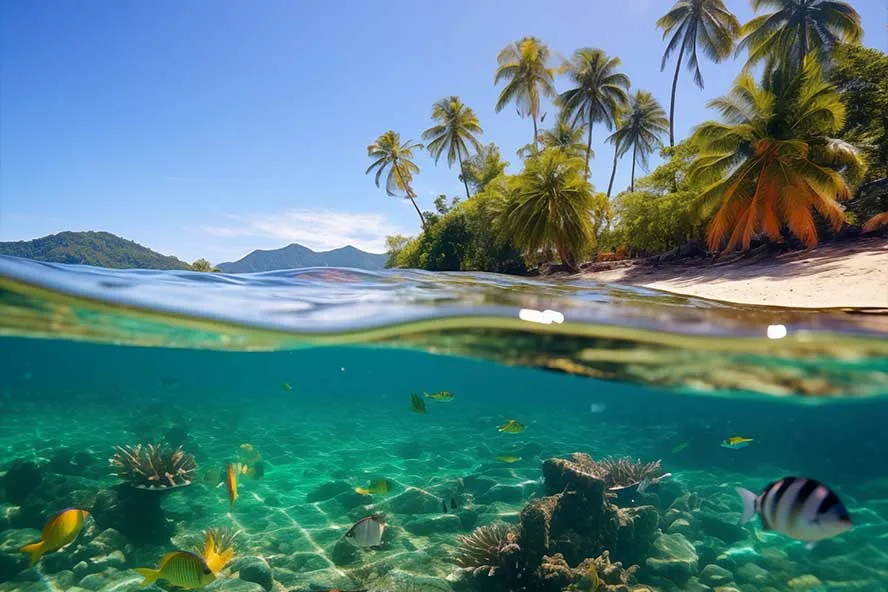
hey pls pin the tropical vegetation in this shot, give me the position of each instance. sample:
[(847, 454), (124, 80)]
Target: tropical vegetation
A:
[(803, 131)]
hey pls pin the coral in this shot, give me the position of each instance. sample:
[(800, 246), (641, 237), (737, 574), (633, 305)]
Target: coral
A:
[(485, 550), (153, 466), (619, 473)]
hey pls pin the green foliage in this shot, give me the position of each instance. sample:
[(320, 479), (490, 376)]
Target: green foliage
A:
[(454, 133), (482, 168), (599, 94), (394, 244), (774, 158), (101, 249), (563, 136), (795, 29), (861, 75), (465, 238), (706, 24), (524, 66), (661, 214), (550, 208), (203, 265)]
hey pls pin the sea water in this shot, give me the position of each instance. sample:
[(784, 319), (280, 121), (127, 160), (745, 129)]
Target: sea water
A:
[(313, 369)]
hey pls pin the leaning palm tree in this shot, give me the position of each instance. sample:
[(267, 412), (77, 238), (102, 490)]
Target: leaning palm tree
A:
[(390, 153), (454, 132), (773, 159), (551, 207), (644, 124), (599, 92), (618, 150), (798, 27), (706, 24), (524, 65)]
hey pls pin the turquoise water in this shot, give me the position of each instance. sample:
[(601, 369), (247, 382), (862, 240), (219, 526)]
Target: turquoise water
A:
[(315, 368)]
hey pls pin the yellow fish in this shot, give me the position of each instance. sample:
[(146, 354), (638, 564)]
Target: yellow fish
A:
[(678, 448), (590, 581), (231, 482), (443, 396), (287, 386), (736, 442), (378, 487), (216, 558), (508, 458), (417, 405), (512, 427), (180, 568), (59, 531), (251, 462)]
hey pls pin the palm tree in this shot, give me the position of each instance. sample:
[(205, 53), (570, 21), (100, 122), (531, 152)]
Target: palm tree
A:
[(456, 126), (644, 124), (772, 159), (618, 152), (551, 207), (599, 92), (706, 24), (524, 65), (567, 138), (397, 157), (798, 27)]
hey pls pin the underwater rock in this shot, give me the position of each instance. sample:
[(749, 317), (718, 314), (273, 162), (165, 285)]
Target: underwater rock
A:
[(674, 558), (713, 575), (553, 574), (680, 526), (233, 585), (254, 569), (13, 561), (110, 578), (328, 491), (805, 582), (477, 485), (724, 527), (21, 479), (429, 525), (750, 573), (414, 501), (135, 513), (502, 493), (344, 553), (635, 532), (55, 562)]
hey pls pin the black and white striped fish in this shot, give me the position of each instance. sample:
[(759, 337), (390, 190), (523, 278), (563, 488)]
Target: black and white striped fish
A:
[(800, 508)]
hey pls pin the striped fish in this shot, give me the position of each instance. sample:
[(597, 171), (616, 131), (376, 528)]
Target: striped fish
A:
[(800, 508), (180, 568)]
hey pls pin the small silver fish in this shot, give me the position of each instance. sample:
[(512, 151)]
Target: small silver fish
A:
[(366, 532)]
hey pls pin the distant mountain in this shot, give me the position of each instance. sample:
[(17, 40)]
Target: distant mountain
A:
[(91, 248), (295, 256)]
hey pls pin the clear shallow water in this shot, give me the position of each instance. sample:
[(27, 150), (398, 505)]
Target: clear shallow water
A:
[(627, 373)]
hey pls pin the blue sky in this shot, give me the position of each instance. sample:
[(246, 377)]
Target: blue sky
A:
[(210, 128)]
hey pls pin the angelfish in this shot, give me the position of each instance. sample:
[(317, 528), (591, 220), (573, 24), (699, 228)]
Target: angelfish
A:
[(366, 532), (800, 508)]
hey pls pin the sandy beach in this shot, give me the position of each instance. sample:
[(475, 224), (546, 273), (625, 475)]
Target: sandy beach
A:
[(844, 275)]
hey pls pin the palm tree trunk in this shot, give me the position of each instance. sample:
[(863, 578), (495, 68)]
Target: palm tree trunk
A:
[(672, 101), (589, 143), (634, 154), (535, 133), (459, 157), (610, 185), (410, 195)]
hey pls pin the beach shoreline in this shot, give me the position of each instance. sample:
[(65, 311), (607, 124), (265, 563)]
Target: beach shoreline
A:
[(839, 275)]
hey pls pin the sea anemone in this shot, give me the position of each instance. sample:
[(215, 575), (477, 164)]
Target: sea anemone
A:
[(485, 549), (153, 466), (620, 473)]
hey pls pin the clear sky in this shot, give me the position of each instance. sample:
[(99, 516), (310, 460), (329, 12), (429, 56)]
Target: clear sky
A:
[(209, 128)]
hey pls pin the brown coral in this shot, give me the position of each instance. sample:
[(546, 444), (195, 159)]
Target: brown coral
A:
[(153, 466), (486, 548), (619, 473)]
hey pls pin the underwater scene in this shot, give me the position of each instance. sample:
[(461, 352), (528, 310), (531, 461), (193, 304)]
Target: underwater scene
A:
[(333, 429)]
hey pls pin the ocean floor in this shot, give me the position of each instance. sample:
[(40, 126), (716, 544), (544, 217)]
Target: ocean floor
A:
[(291, 522)]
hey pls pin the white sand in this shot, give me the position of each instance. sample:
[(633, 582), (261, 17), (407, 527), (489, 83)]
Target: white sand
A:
[(833, 276)]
